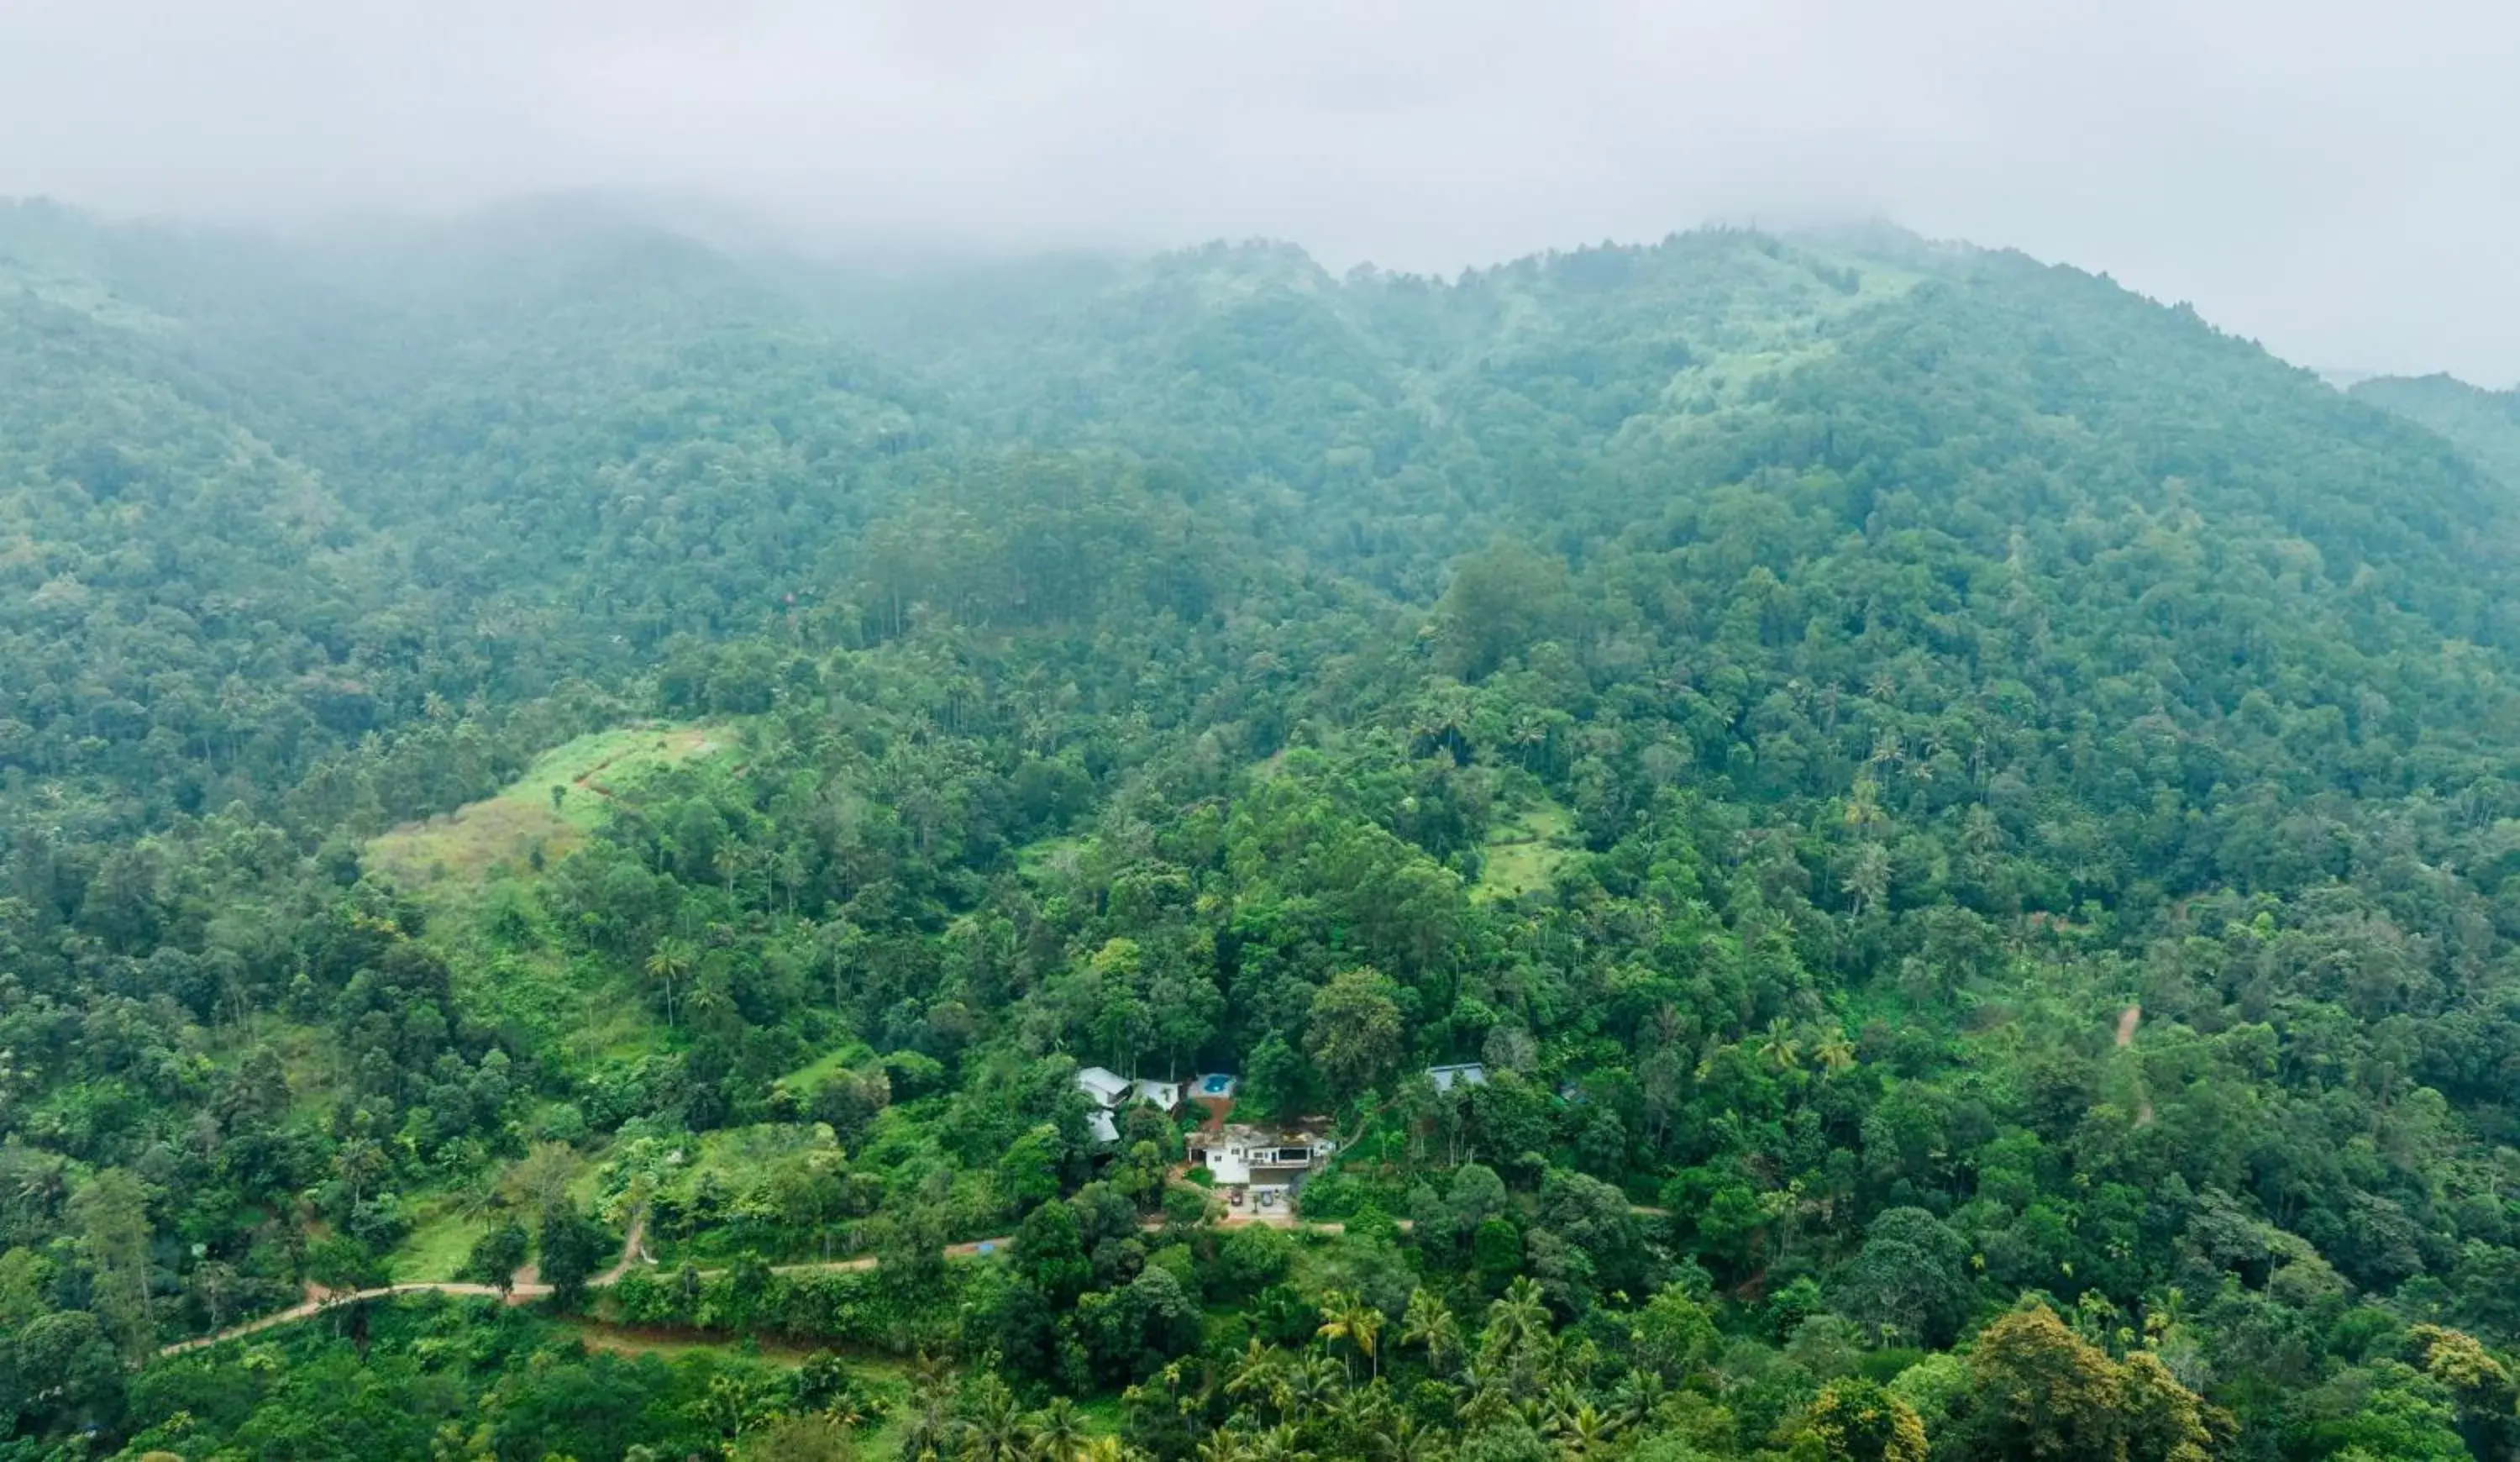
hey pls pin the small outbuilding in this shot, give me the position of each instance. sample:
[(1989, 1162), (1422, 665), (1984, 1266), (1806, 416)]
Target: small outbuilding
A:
[(1106, 1087)]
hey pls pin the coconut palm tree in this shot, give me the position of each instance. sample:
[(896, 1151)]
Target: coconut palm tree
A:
[(1307, 1388), (1055, 1433), (1407, 1440), (1279, 1444), (668, 963), (929, 1432), (730, 859), (1638, 1395), (993, 1430), (1868, 877), (1345, 1317), (1429, 1322), (1517, 1319), (1582, 1431), (1364, 1411), (1173, 1374), (1778, 1045), (1255, 1377)]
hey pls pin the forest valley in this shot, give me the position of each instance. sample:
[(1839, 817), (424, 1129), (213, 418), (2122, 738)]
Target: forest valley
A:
[(1822, 847)]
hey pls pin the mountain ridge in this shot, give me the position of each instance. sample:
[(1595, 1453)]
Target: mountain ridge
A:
[(1968, 821)]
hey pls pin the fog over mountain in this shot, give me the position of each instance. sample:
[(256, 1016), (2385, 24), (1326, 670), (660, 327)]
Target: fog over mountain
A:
[(2333, 179), (978, 804)]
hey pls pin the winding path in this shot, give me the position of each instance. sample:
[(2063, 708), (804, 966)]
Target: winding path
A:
[(634, 1249)]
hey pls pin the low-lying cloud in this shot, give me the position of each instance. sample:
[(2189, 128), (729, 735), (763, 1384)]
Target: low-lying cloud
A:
[(2336, 179)]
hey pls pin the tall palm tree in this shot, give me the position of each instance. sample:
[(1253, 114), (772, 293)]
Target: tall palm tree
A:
[(1583, 1432), (1279, 1444), (1640, 1395), (1407, 1440), (1517, 1319), (1868, 877), (1055, 1433), (1528, 731), (1363, 1412), (668, 963), (1431, 1322), (1307, 1388), (1255, 1377), (931, 1430), (1174, 1373), (1345, 1317), (994, 1430), (1778, 1045)]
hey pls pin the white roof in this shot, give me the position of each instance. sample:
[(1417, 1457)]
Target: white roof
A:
[(1468, 1073), (1105, 1129), (1106, 1084)]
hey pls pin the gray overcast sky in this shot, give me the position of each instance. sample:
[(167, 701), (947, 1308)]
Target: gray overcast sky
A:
[(2341, 180)]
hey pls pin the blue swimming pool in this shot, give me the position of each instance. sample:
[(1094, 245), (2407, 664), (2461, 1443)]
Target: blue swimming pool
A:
[(1216, 1085)]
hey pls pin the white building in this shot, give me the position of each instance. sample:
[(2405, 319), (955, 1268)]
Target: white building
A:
[(1110, 1091), (1105, 1087), (1261, 1159)]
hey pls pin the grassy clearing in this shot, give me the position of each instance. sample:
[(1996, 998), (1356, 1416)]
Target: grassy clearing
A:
[(1102, 1416), (474, 867), (1051, 854), (310, 1057), (575, 1003), (804, 1078), (1523, 853), (436, 1252), (502, 833)]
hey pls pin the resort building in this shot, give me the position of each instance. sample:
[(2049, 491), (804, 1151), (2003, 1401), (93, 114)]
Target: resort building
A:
[(1264, 1159)]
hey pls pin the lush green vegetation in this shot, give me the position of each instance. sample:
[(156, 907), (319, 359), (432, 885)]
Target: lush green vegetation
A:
[(1969, 819), (2485, 424)]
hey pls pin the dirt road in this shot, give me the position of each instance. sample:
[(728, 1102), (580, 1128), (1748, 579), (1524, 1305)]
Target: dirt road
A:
[(633, 1249)]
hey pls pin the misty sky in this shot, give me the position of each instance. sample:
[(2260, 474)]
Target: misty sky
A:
[(2341, 180)]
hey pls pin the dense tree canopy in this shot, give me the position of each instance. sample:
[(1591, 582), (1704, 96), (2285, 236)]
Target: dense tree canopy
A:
[(1965, 819)]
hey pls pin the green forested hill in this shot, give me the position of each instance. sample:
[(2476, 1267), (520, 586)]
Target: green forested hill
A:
[(2485, 424), (1968, 819)]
